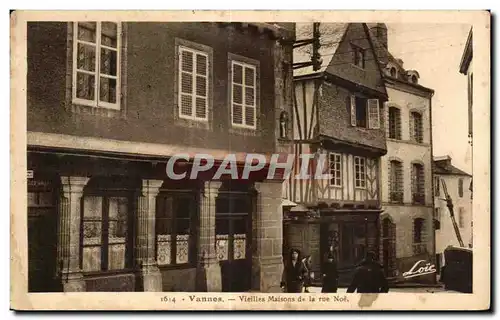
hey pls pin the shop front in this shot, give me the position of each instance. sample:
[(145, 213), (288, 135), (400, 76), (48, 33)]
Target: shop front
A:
[(350, 233), (101, 224)]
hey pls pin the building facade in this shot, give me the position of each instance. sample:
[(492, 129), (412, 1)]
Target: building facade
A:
[(407, 228), (456, 183), (122, 99), (337, 119), (467, 69)]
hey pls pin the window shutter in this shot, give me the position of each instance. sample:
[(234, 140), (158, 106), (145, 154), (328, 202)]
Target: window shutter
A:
[(353, 111), (412, 127), (373, 114), (201, 85), (186, 82)]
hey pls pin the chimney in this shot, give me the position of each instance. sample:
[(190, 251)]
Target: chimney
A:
[(380, 31)]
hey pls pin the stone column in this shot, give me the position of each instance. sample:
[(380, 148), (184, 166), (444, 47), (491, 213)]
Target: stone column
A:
[(208, 273), (68, 248), (149, 275), (267, 242)]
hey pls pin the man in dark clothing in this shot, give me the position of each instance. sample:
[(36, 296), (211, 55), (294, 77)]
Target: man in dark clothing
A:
[(369, 277)]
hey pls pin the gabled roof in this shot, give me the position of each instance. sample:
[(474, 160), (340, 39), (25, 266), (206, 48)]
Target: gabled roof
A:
[(442, 165), (331, 36), (467, 54)]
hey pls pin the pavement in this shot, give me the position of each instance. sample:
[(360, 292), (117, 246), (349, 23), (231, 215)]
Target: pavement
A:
[(399, 289)]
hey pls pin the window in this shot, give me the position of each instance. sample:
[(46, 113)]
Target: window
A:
[(417, 183), (396, 181), (394, 123), (336, 170), (193, 84), (419, 235), (175, 238), (437, 218), (360, 172), (359, 56), (461, 188), (243, 101), (365, 113), (416, 127), (437, 186), (96, 64), (393, 72), (461, 217), (105, 232)]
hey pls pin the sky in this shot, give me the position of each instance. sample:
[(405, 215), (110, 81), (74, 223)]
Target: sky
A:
[(435, 51)]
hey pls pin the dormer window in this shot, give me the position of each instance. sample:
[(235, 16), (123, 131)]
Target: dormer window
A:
[(393, 72), (414, 79), (359, 56)]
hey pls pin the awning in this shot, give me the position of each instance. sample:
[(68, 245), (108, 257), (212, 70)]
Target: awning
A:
[(287, 203)]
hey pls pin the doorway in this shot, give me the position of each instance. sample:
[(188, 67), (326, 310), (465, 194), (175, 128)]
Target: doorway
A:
[(233, 225)]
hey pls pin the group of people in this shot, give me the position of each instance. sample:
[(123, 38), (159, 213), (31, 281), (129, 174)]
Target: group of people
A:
[(298, 276)]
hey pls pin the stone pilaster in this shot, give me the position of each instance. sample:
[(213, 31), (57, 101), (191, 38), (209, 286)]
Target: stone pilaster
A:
[(208, 272), (149, 274), (267, 263), (68, 249)]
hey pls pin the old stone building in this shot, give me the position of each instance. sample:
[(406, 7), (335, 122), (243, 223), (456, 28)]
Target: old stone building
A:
[(108, 104), (456, 182), (337, 118), (407, 228)]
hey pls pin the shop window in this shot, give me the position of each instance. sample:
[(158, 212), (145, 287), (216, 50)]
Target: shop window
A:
[(105, 231), (419, 236), (175, 226)]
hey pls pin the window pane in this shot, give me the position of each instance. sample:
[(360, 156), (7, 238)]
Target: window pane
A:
[(249, 77), (201, 86), (201, 108), (47, 198), (85, 86), (237, 94), (201, 64), (108, 90), (116, 257), (250, 116), (108, 62), (186, 105), (182, 253), (186, 83), (92, 207), (163, 249), (87, 31), (187, 61), (237, 73), (85, 59), (183, 226), (237, 114), (32, 199), (249, 96), (118, 216), (239, 226), (109, 34), (91, 259)]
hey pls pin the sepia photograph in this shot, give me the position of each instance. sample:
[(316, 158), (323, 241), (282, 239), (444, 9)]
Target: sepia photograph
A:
[(280, 161)]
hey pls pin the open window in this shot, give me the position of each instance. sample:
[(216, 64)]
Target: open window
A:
[(365, 113)]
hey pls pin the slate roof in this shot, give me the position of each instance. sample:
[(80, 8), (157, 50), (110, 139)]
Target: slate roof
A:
[(331, 35)]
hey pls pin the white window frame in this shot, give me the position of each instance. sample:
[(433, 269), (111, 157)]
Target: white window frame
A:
[(373, 113), (194, 75), (360, 183), (96, 73), (243, 85), (336, 174)]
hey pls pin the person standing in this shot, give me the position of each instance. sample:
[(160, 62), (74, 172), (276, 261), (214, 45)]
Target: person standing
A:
[(369, 277), (309, 274), (294, 273), (330, 275)]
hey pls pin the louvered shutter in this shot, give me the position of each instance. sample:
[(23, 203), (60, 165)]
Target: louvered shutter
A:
[(412, 127), (249, 96), (373, 114), (237, 93), (201, 86), (186, 82), (353, 111)]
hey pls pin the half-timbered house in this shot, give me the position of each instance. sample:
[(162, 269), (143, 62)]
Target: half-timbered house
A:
[(337, 119)]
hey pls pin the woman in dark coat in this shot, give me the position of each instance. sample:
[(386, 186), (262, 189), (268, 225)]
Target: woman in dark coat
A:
[(294, 273), (330, 275)]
